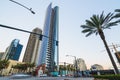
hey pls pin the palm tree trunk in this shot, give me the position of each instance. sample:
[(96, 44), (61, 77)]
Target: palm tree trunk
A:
[(109, 53)]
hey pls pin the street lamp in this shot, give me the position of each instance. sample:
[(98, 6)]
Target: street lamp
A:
[(30, 9), (75, 64)]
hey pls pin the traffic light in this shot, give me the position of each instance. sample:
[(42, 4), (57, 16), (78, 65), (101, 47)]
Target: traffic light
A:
[(40, 37), (57, 43)]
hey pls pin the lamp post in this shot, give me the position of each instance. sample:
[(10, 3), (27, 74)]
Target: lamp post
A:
[(76, 73), (30, 9)]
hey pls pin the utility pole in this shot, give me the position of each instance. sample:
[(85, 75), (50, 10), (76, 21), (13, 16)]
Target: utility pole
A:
[(117, 53), (114, 46)]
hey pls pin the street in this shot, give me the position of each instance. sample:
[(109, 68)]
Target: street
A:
[(47, 78)]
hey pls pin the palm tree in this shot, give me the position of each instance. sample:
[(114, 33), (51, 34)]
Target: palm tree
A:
[(3, 64), (30, 66), (97, 24)]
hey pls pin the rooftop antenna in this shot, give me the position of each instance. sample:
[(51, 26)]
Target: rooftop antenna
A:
[(30, 9)]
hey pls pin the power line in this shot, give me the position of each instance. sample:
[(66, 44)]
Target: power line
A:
[(114, 46)]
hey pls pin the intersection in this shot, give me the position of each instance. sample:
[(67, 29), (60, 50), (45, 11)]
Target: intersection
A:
[(48, 78)]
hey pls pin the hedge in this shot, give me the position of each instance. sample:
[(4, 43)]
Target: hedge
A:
[(109, 77)]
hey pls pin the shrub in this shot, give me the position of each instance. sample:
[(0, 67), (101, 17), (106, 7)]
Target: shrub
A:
[(109, 77)]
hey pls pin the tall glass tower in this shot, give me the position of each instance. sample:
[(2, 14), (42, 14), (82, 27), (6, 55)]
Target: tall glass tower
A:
[(49, 47), (13, 51)]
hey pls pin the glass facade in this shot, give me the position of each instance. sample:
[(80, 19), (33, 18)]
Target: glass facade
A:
[(49, 46), (14, 50), (43, 49)]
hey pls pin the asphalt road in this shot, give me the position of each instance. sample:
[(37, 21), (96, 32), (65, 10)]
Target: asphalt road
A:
[(46, 78)]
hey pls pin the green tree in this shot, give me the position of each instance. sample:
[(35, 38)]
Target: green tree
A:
[(20, 67), (4, 64), (70, 67), (97, 24), (61, 67), (30, 66)]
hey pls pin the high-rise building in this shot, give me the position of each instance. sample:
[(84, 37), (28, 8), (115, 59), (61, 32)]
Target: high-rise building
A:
[(49, 47), (33, 45), (13, 51), (81, 66)]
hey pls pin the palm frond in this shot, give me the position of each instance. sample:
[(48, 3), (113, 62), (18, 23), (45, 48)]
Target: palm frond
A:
[(86, 27), (95, 20), (108, 18), (117, 15), (89, 34), (88, 22), (102, 18), (117, 10), (86, 30), (112, 24), (89, 31)]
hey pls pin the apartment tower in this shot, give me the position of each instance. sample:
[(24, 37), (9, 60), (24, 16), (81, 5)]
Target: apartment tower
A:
[(48, 55), (33, 45)]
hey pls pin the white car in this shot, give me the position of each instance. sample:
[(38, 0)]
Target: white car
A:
[(43, 75)]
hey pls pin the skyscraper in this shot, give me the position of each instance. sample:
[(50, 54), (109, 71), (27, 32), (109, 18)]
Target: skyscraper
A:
[(31, 52), (49, 47), (13, 51)]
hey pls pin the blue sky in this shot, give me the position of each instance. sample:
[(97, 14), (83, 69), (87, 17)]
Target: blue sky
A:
[(72, 14)]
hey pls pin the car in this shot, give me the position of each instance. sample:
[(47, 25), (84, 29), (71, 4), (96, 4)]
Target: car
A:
[(43, 75), (20, 76)]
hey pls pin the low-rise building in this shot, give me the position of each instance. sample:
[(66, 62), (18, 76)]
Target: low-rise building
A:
[(96, 67), (9, 69)]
